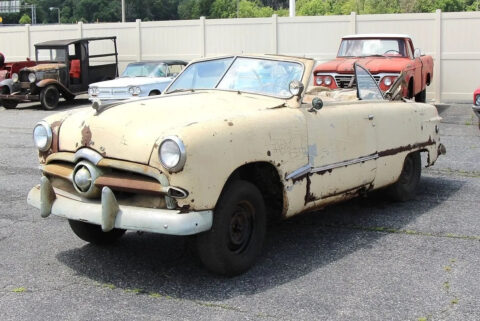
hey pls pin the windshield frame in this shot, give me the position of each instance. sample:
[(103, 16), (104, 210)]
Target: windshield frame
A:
[(404, 55), (234, 58)]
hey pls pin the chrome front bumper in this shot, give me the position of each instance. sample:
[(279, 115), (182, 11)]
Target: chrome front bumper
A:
[(109, 214), (476, 110)]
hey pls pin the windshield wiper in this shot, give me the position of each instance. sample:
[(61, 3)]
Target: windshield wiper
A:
[(180, 90)]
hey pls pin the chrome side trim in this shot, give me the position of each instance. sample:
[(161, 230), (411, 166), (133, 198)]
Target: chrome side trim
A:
[(345, 163), (299, 172), (310, 169), (88, 154)]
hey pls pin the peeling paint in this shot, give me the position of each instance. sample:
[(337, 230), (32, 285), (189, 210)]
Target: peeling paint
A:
[(86, 136)]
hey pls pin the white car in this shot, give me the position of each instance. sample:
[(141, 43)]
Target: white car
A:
[(140, 79)]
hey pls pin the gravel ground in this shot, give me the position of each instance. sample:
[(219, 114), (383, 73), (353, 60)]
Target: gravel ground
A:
[(366, 259)]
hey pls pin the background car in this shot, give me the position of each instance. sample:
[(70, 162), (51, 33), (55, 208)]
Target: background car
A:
[(476, 102), (140, 79)]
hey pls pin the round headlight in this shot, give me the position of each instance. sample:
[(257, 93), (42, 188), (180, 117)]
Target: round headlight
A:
[(328, 80), (134, 90), (477, 100), (172, 154), (387, 81), (42, 136), (14, 77), (32, 77), (296, 87), (319, 81)]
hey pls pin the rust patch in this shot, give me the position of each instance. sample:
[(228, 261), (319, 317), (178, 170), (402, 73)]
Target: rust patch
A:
[(309, 196), (269, 153), (323, 172), (185, 209), (86, 136), (394, 151), (230, 123)]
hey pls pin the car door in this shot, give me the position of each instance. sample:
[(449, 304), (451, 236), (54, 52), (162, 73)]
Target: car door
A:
[(343, 145)]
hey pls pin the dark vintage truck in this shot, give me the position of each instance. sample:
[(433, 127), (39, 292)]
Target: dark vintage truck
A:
[(386, 56), (64, 68)]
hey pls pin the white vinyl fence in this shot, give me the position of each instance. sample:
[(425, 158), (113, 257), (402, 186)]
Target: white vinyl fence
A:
[(451, 38)]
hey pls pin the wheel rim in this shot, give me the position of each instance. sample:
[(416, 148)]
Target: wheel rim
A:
[(242, 224), (407, 171)]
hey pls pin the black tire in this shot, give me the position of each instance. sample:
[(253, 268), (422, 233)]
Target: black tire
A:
[(49, 97), (154, 93), (421, 97), (93, 233), (236, 238), (405, 187), (8, 104)]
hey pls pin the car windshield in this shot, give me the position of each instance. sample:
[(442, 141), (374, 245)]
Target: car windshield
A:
[(145, 70), (367, 88), (254, 75), (53, 54), (371, 47)]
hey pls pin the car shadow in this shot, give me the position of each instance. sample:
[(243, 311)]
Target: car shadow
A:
[(62, 105), (165, 265)]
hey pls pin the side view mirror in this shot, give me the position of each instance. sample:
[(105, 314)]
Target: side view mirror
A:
[(317, 104), (417, 53)]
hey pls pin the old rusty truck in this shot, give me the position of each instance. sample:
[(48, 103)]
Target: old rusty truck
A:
[(7, 69), (386, 56), (234, 141)]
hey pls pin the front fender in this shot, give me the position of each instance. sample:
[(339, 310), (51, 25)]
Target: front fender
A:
[(8, 83), (46, 82), (215, 149)]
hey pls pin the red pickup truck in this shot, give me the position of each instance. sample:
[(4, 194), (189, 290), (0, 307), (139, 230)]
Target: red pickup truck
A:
[(386, 57), (7, 69)]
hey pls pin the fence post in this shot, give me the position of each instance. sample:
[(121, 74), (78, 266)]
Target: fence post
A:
[(353, 22), (437, 74), (139, 37), (202, 37), (29, 46), (80, 29), (275, 33)]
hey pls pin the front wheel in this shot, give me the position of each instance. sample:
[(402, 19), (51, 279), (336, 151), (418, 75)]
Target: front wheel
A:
[(49, 97), (406, 185), (421, 97), (236, 238), (93, 233)]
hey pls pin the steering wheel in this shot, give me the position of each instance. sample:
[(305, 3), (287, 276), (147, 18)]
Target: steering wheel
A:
[(393, 50)]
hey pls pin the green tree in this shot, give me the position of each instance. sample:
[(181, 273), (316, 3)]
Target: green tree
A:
[(25, 19), (223, 9)]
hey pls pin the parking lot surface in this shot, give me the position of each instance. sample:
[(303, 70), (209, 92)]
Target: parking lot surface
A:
[(366, 259)]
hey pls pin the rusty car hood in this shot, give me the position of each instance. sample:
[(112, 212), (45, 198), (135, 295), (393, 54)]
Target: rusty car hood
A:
[(42, 67), (128, 131), (374, 64)]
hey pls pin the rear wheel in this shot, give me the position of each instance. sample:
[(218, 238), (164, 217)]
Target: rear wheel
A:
[(93, 233), (236, 238), (406, 185), (421, 97), (49, 97)]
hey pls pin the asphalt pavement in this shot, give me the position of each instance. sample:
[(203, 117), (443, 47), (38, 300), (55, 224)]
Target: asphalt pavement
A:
[(366, 259)]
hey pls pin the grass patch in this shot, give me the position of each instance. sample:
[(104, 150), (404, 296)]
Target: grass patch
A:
[(19, 290)]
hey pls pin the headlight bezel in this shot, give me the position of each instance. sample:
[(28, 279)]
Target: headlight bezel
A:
[(327, 80), (182, 157), (319, 81), (15, 77), (49, 136), (389, 80), (477, 100), (32, 77), (134, 90)]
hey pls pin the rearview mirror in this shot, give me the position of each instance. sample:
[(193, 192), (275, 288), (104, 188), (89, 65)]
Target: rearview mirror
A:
[(296, 87)]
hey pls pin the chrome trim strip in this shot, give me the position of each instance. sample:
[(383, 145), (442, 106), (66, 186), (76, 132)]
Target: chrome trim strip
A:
[(88, 154), (345, 163), (299, 172), (310, 169)]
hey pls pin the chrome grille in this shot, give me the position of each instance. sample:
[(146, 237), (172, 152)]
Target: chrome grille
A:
[(344, 80)]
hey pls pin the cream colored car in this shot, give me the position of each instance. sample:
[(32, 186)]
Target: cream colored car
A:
[(232, 142)]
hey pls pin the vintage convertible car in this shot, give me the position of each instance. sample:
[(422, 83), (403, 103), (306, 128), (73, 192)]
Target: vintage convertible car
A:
[(232, 142), (139, 79)]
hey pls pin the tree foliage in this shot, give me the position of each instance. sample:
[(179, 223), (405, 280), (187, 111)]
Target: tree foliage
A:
[(72, 11)]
